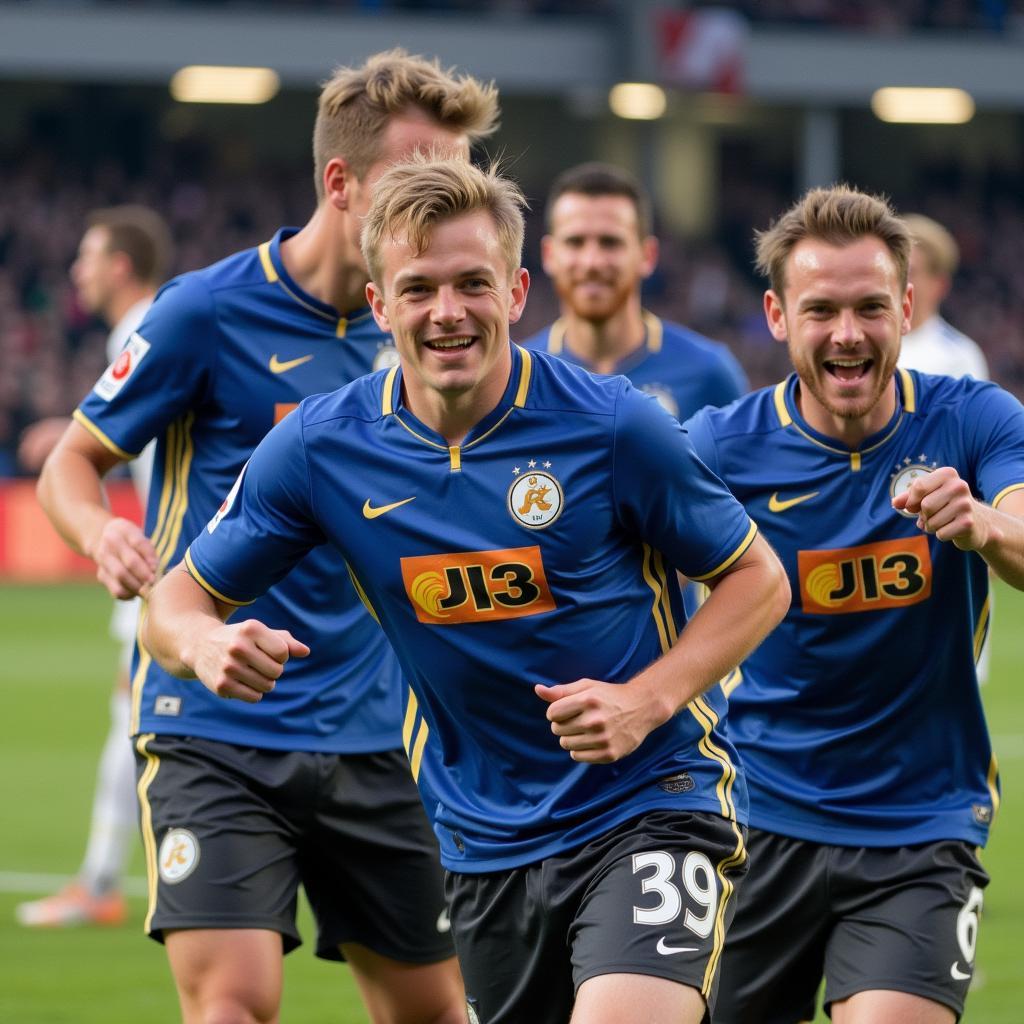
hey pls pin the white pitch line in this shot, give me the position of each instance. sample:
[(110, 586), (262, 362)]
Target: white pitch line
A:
[(32, 883)]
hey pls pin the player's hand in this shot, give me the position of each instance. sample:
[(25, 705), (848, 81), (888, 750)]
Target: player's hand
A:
[(597, 722), (125, 559), (245, 659), (944, 505)]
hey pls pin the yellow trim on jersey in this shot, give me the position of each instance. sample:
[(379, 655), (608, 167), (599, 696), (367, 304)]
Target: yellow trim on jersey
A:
[(209, 588), (744, 544), (993, 789), (146, 822), (781, 411), (909, 397), (180, 506), (416, 759), (359, 590), (140, 673), (420, 437), (731, 681), (387, 407), (267, 263), (654, 331), (525, 373), (84, 420), (982, 628), (341, 328), (477, 440), (661, 573), (657, 586), (455, 457), (1004, 492), (410, 721), (854, 462)]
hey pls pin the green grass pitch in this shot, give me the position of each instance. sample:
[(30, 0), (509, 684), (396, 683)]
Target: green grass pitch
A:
[(57, 667)]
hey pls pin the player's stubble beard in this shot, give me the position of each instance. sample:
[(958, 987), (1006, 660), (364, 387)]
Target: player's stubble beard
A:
[(813, 374)]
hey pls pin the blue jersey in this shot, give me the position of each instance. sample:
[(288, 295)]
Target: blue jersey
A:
[(222, 355), (683, 370), (540, 550), (859, 720)]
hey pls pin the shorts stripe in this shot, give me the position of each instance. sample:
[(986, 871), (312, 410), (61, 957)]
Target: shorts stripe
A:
[(146, 822)]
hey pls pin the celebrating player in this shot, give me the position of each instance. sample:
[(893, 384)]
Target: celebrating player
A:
[(514, 523), (597, 252), (889, 494), (240, 804), (123, 257)]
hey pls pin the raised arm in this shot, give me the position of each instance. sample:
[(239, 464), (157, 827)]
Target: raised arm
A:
[(186, 632), (70, 490)]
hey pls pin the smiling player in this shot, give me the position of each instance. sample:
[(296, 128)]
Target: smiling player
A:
[(888, 494)]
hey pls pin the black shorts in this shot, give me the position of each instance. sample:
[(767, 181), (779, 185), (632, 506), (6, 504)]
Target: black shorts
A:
[(230, 832), (900, 918), (653, 896)]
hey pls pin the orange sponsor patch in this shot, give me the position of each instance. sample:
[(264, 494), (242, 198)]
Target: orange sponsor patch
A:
[(866, 578), (281, 409), (477, 586)]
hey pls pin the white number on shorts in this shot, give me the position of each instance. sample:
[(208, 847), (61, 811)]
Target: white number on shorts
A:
[(698, 879), (967, 924)]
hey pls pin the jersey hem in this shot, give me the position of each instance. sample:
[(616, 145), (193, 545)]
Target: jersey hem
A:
[(79, 417)]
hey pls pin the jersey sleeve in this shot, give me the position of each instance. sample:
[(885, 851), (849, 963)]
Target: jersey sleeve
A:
[(994, 424), (264, 526), (163, 369), (666, 495), (728, 382)]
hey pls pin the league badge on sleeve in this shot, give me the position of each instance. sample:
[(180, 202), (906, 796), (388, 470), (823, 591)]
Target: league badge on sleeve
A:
[(225, 505), (117, 373)]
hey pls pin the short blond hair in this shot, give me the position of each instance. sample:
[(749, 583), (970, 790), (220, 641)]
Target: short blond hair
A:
[(355, 104), (411, 198), (838, 215), (937, 246)]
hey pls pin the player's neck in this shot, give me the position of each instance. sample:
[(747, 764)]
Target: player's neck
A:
[(123, 300), (603, 344), (853, 431), (320, 259)]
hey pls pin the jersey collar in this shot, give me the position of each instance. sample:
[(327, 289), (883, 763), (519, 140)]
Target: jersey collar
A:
[(789, 416), (653, 333), (516, 393), (276, 273)]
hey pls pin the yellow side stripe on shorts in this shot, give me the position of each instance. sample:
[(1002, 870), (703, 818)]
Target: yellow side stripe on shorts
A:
[(146, 822)]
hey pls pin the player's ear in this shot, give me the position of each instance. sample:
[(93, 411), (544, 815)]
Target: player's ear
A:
[(375, 300), (520, 288), (908, 308), (337, 182), (775, 314), (651, 250)]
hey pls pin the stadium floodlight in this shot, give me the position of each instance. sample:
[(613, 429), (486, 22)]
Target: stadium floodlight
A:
[(638, 101), (902, 105), (210, 83)]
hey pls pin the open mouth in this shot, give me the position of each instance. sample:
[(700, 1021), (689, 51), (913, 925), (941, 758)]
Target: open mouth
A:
[(849, 371), (454, 344)]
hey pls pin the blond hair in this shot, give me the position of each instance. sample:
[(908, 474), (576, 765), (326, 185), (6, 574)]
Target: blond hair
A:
[(412, 198), (838, 215), (937, 246), (356, 103)]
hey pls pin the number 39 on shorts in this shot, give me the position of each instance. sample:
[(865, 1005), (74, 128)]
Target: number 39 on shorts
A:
[(661, 879)]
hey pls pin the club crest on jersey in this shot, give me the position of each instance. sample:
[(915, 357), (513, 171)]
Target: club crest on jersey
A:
[(117, 373), (663, 396), (535, 498), (225, 505), (386, 357), (905, 473), (179, 855)]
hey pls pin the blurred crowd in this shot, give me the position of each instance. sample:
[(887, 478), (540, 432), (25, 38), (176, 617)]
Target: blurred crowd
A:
[(52, 351)]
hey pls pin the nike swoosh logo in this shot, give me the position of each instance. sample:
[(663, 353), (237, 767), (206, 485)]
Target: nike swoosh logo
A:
[(957, 974), (666, 950), (371, 513), (775, 505), (276, 366)]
